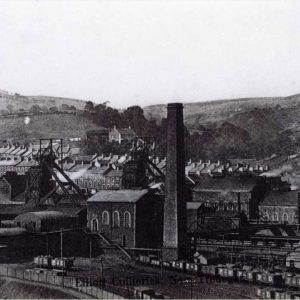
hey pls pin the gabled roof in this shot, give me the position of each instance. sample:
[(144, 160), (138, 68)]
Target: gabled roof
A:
[(97, 170), (115, 173), (130, 196), (279, 198), (125, 131), (30, 163), (230, 184)]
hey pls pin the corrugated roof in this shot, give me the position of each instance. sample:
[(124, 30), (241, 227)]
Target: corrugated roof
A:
[(130, 196), (230, 184), (278, 198)]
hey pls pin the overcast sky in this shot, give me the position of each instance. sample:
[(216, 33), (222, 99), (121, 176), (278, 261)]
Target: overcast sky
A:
[(146, 52)]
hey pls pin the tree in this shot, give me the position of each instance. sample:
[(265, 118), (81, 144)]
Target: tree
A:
[(89, 106), (53, 109), (35, 108), (10, 108), (134, 117)]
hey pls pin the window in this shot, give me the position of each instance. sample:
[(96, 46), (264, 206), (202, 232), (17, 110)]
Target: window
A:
[(105, 218), (275, 217), (94, 225), (225, 205), (127, 219), (266, 216), (116, 219), (285, 217)]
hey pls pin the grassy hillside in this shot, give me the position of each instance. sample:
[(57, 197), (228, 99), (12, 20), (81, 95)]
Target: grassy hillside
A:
[(25, 102), (252, 127), (45, 126)]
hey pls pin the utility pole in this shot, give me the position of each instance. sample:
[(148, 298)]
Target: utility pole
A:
[(90, 255), (47, 243), (101, 262), (61, 254)]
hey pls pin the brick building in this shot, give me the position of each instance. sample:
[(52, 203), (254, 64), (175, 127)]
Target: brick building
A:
[(239, 194), (12, 188), (132, 218), (121, 134), (280, 206), (97, 136)]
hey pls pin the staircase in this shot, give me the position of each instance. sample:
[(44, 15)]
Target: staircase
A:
[(109, 243)]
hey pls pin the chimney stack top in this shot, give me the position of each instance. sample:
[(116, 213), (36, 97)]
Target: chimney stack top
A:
[(175, 105)]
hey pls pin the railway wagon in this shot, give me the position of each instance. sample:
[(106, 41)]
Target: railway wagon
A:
[(275, 279), (64, 263), (166, 264), (43, 261), (280, 294), (193, 268), (268, 293), (179, 265), (233, 273), (212, 270), (222, 271), (144, 259), (251, 275), (155, 262)]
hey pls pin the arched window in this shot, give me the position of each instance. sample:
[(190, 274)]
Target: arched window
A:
[(94, 225), (116, 219), (285, 217), (225, 205), (275, 217), (266, 216), (105, 218), (127, 219)]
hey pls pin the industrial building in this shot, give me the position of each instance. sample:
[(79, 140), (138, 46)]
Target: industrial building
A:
[(132, 218), (45, 221)]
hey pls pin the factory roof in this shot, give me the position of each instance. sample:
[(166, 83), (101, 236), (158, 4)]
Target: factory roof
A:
[(230, 184), (131, 196), (279, 198)]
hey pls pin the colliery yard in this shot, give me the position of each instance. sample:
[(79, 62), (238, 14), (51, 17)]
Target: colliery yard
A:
[(153, 233)]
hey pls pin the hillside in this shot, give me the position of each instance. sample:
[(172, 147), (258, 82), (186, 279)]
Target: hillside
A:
[(25, 102), (45, 126), (252, 127)]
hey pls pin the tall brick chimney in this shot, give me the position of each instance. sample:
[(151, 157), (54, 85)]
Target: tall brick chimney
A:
[(174, 238)]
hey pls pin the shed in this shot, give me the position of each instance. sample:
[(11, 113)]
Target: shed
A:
[(39, 221)]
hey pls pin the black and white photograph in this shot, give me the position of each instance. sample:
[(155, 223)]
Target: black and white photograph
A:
[(150, 149)]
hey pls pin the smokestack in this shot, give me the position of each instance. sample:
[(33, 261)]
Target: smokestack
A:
[(174, 238)]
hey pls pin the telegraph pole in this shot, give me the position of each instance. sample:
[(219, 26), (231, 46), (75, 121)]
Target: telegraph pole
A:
[(90, 255), (61, 254)]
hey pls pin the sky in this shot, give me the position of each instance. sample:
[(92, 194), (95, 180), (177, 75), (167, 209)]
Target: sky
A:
[(148, 52)]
